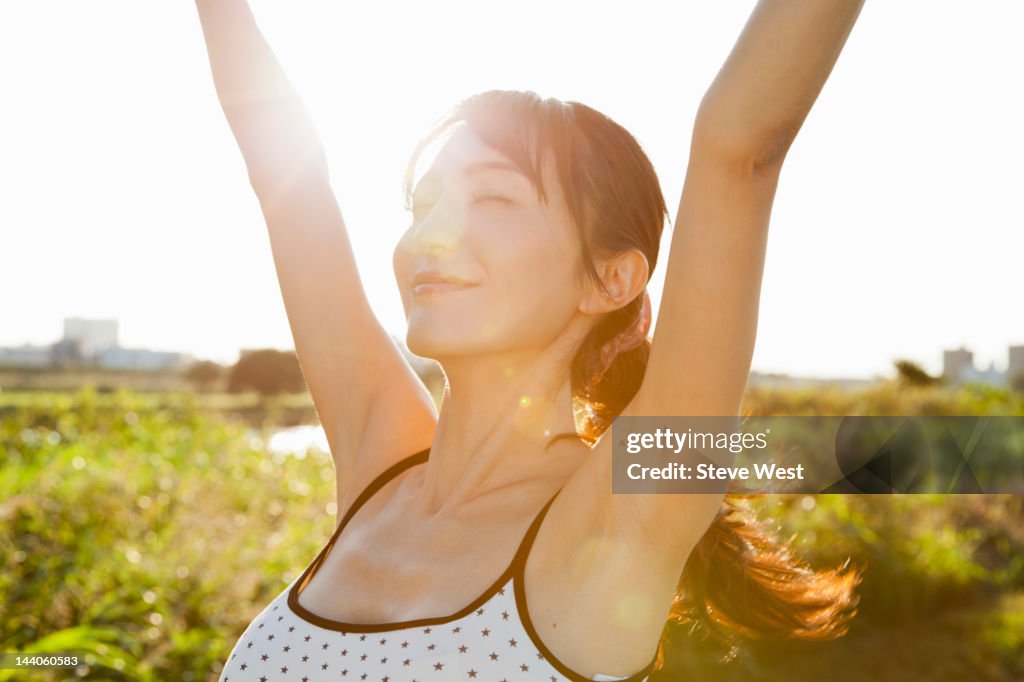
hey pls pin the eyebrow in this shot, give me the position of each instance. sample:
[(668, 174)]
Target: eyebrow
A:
[(477, 168), (483, 166)]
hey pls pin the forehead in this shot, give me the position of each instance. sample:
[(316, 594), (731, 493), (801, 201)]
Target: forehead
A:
[(461, 151), (460, 146)]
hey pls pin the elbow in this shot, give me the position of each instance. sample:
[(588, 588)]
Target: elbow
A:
[(754, 150)]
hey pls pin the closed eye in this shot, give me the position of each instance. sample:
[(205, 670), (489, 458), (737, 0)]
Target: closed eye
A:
[(423, 209), (477, 198)]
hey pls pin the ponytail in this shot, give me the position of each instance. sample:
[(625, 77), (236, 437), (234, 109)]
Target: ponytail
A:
[(740, 581)]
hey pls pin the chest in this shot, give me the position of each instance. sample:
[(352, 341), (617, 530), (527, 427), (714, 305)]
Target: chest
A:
[(575, 600), (386, 569)]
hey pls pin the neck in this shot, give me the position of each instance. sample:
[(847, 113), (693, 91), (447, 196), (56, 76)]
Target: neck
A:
[(497, 417)]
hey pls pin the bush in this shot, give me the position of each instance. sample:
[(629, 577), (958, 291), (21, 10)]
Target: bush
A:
[(267, 372), (204, 374)]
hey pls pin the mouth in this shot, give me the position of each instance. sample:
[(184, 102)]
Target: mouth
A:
[(434, 288), (434, 282)]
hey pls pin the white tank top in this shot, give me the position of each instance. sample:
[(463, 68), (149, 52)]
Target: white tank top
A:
[(491, 640)]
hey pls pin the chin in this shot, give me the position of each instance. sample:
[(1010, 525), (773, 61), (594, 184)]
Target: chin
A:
[(429, 339), (434, 346)]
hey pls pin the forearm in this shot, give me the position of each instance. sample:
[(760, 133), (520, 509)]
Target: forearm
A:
[(777, 68), (268, 120)]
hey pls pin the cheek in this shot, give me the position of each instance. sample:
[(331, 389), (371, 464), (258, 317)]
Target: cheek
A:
[(534, 284), (534, 259)]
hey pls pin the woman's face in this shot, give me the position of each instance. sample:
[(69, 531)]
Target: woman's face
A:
[(478, 220)]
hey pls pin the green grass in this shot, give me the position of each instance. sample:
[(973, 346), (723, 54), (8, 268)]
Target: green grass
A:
[(148, 530)]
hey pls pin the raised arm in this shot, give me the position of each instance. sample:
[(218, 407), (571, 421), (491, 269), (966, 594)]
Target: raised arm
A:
[(749, 117), (272, 127), (372, 405), (771, 79), (704, 337)]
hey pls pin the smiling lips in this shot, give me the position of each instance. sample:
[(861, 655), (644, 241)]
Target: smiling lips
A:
[(433, 282), (438, 288)]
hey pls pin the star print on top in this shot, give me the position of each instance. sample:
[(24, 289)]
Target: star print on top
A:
[(492, 639)]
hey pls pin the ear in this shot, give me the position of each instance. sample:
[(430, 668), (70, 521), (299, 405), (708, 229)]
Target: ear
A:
[(625, 276)]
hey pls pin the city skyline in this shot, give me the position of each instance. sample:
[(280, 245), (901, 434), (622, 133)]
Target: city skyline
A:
[(95, 341), (895, 232)]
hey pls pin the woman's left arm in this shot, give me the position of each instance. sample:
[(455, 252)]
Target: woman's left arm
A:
[(704, 337), (749, 117)]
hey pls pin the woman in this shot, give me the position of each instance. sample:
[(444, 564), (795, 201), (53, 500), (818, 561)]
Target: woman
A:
[(534, 234)]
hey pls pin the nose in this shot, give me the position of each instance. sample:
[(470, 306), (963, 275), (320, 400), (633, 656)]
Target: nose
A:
[(441, 230)]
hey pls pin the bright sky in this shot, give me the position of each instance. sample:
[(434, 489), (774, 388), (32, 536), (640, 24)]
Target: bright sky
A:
[(897, 228)]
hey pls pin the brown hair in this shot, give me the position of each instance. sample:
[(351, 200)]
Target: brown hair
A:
[(739, 581)]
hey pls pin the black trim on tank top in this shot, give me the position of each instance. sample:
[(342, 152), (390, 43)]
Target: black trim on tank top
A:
[(375, 485), (519, 586)]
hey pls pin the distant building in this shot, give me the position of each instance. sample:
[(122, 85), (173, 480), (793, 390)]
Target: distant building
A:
[(26, 356), (1015, 368), (93, 336), (139, 358), (91, 343), (958, 368), (956, 364)]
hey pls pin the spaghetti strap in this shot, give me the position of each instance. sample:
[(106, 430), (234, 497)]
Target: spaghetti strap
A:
[(383, 479), (519, 590), (497, 587), (376, 484), (523, 552)]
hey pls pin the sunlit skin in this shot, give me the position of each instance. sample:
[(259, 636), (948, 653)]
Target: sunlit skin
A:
[(604, 568), (506, 342)]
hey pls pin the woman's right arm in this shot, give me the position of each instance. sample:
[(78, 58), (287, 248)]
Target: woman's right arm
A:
[(373, 407)]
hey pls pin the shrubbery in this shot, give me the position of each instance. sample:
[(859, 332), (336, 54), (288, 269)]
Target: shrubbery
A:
[(150, 531)]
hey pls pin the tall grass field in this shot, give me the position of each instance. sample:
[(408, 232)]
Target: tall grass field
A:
[(148, 530)]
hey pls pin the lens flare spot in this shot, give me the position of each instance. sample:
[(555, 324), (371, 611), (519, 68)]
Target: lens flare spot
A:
[(534, 415), (594, 549), (633, 610), (509, 372)]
